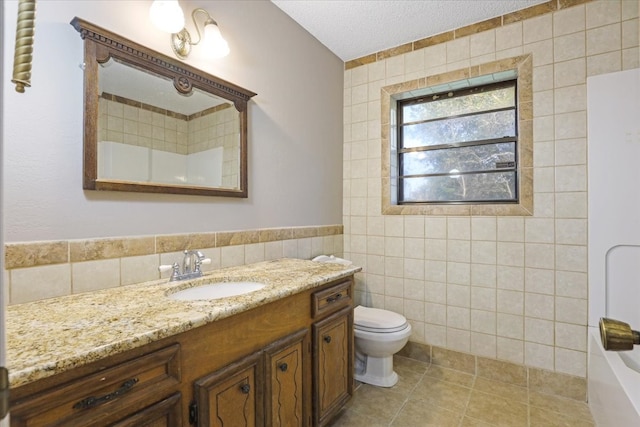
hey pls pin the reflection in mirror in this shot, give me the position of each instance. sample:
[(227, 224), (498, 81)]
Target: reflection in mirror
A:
[(148, 132), (154, 124)]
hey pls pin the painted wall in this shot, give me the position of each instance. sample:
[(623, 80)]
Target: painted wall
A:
[(295, 127), (511, 288)]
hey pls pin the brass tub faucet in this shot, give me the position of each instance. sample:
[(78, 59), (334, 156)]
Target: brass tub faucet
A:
[(617, 335)]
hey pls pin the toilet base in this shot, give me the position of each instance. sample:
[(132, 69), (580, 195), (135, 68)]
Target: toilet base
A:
[(378, 371)]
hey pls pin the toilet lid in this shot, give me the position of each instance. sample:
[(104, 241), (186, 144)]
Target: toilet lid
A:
[(378, 320)]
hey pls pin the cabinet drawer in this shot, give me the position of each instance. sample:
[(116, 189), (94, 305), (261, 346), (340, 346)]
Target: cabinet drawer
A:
[(104, 396), (331, 299), (165, 413)]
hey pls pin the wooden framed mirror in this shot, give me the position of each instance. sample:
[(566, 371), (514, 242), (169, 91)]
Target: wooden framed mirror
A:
[(156, 125)]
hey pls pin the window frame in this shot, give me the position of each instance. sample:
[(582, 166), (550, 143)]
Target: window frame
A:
[(502, 69), (452, 94)]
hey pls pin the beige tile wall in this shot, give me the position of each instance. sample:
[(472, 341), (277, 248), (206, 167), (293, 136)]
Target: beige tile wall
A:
[(145, 127), (164, 130), (40, 270), (499, 287)]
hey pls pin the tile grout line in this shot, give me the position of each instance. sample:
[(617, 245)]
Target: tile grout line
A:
[(528, 404), (529, 388), (466, 406), (409, 395)]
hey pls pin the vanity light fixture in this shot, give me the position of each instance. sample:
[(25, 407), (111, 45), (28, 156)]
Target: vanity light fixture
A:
[(168, 16)]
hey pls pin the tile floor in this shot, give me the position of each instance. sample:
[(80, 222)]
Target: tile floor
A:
[(430, 395)]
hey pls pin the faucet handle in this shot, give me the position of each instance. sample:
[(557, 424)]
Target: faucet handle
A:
[(165, 268), (176, 270)]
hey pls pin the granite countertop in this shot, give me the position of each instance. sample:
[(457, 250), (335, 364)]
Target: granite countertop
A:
[(51, 336)]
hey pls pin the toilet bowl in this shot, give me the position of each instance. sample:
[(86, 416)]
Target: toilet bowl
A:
[(379, 334)]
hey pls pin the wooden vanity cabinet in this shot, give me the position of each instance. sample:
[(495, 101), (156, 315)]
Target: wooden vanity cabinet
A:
[(288, 363)]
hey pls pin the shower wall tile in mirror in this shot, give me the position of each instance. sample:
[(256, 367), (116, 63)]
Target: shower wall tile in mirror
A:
[(166, 146)]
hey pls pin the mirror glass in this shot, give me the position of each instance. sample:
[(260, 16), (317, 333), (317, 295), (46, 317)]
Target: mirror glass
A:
[(148, 132), (155, 124)]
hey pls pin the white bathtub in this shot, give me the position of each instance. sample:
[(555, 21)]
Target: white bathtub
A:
[(613, 108), (614, 387)]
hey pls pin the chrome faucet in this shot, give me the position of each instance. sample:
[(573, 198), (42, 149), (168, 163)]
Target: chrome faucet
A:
[(190, 266)]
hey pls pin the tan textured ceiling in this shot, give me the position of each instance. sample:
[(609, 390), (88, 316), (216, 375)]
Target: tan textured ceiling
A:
[(353, 29)]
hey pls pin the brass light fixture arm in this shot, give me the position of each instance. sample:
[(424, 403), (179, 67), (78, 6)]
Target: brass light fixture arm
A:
[(24, 44), (181, 42), (207, 21)]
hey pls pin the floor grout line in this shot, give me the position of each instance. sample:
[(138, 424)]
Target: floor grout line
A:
[(528, 405), (466, 406), (404, 403)]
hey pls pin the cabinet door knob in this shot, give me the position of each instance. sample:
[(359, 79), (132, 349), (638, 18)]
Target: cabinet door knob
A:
[(283, 367), (327, 339), (245, 388)]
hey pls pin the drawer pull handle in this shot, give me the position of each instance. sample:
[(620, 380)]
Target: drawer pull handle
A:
[(245, 388), (92, 401), (283, 367), (334, 298), (327, 339)]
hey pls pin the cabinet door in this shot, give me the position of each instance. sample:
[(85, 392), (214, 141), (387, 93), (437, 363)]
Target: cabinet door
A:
[(333, 364), (232, 396), (284, 380)]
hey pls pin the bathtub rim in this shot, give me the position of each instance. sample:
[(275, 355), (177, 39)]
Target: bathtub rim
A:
[(625, 377)]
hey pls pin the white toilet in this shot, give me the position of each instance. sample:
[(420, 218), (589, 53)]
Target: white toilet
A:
[(379, 334)]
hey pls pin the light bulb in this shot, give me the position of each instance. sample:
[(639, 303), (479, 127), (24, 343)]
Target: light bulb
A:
[(213, 44), (167, 15)]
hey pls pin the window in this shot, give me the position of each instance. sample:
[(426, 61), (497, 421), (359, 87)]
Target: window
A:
[(459, 146), (411, 161)]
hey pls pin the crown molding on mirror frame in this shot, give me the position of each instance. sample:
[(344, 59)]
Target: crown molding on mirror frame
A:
[(101, 45)]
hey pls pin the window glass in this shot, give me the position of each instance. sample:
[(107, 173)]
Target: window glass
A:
[(473, 158), (480, 99), (484, 187), (460, 129), (459, 146)]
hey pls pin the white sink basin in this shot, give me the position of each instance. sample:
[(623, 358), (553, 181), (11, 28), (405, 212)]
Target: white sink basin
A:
[(217, 290)]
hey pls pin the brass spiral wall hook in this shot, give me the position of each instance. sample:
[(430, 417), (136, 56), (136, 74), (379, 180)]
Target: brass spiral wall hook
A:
[(23, 55)]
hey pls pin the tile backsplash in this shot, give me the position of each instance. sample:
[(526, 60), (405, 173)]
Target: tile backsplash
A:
[(40, 270)]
